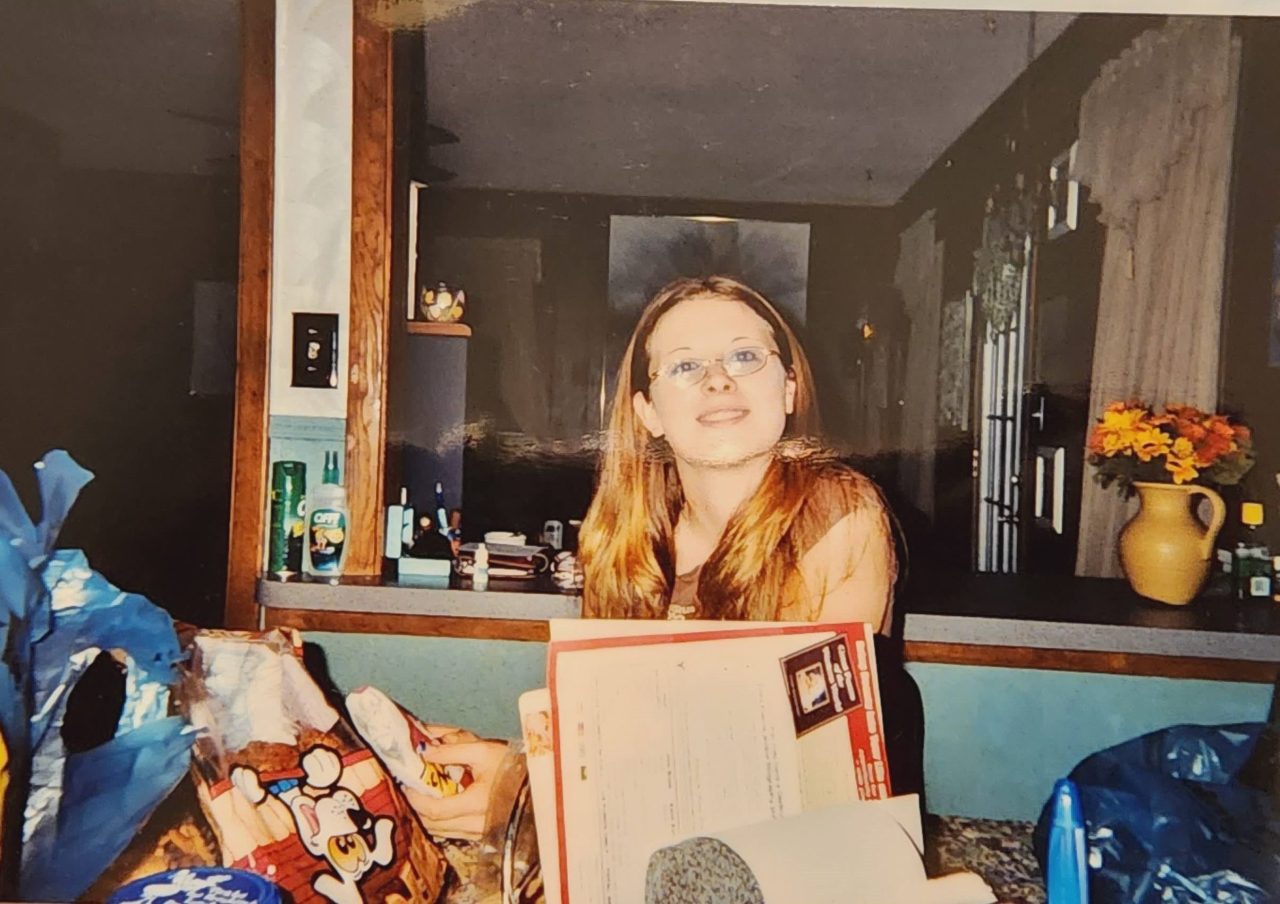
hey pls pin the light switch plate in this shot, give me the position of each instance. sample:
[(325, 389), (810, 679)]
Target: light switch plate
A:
[(315, 350)]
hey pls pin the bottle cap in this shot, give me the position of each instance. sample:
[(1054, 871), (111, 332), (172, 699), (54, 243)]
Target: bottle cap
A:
[(1251, 513)]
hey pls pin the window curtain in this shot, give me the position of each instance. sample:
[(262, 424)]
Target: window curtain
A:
[(918, 279), (1155, 145)]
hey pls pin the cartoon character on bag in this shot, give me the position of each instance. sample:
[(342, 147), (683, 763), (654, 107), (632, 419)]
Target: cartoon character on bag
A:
[(331, 823)]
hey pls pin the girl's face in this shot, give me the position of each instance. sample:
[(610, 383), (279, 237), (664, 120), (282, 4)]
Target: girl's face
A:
[(719, 391)]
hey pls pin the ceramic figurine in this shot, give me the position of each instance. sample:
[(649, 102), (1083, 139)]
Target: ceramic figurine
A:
[(441, 305)]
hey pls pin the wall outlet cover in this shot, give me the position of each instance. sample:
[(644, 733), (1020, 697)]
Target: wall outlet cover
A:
[(315, 350)]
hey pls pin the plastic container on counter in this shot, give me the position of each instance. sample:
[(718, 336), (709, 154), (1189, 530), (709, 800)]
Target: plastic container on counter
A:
[(198, 885)]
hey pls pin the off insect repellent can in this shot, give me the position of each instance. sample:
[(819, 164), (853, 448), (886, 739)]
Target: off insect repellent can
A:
[(288, 517), (327, 524), (327, 539)]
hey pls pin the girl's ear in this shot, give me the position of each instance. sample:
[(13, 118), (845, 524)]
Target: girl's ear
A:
[(790, 393), (648, 416)]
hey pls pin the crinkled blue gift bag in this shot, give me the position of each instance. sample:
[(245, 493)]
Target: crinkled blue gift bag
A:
[(1168, 822), (83, 806), (25, 618)]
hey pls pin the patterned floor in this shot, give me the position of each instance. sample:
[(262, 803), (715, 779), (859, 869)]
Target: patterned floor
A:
[(999, 851)]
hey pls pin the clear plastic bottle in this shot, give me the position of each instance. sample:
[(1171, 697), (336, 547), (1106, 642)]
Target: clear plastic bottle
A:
[(327, 523), (480, 575)]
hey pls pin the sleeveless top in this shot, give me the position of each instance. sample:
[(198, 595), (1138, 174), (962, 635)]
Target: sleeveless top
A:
[(684, 591), (684, 596)]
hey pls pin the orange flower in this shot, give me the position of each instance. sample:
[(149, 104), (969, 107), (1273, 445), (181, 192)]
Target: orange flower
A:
[(1118, 429), (1218, 423), (1149, 442), (1214, 446), (1193, 443), (1184, 412), (1180, 462), (1191, 430)]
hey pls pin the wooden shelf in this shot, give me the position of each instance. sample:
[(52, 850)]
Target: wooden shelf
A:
[(427, 328), (415, 625)]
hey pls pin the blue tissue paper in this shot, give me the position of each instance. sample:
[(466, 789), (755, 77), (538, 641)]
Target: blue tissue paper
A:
[(82, 809)]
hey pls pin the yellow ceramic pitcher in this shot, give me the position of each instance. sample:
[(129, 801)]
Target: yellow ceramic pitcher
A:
[(1165, 549)]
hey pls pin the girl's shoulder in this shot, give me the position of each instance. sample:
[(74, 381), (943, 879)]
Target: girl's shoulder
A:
[(838, 490), (844, 537), (838, 500)]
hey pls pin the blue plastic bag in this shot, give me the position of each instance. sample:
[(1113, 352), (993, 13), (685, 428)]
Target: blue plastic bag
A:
[(83, 808), (25, 619), (1168, 822)]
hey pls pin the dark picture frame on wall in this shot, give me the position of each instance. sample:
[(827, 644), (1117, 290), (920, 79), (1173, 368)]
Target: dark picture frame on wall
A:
[(1063, 207)]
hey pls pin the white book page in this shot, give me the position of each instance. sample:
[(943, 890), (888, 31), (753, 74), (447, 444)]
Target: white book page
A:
[(823, 751), (659, 742), (863, 853)]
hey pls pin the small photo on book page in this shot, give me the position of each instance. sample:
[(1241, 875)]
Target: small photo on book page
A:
[(659, 737), (821, 683)]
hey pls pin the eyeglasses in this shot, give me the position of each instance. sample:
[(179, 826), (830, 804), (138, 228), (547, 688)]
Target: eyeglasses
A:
[(737, 362)]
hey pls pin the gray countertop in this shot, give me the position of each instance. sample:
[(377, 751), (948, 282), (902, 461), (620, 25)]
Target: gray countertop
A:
[(1050, 635), (1060, 613), (519, 600)]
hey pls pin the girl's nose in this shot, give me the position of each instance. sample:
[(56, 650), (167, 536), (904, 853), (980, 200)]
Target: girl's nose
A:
[(716, 379)]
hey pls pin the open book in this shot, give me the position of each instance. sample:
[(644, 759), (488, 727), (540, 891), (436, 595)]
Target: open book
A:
[(650, 733)]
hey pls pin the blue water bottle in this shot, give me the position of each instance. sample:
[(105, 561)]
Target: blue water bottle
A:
[(1067, 860)]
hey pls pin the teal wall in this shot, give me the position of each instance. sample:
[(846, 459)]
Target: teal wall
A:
[(471, 683), (996, 739)]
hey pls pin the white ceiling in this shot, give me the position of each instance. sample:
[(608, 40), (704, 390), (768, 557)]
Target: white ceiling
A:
[(715, 100), (708, 100)]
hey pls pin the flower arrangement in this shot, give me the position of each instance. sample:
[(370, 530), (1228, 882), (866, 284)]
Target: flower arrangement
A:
[(1131, 443)]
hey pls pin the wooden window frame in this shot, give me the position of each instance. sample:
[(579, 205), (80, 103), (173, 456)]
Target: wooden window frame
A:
[(372, 142)]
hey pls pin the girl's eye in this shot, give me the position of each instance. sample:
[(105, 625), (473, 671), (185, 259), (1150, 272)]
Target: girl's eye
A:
[(683, 366), (744, 356)]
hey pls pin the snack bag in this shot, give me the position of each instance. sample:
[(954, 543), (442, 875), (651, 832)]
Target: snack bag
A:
[(501, 865), (290, 789), (398, 738)]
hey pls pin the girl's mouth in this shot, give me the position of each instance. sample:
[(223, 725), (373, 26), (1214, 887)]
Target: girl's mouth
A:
[(721, 417)]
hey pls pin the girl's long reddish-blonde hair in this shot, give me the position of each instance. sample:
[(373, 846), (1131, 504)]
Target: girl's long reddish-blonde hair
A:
[(626, 543)]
